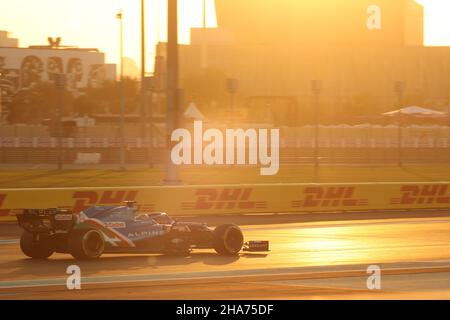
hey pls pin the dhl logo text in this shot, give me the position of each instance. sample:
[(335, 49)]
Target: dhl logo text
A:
[(424, 194), (86, 199), (228, 198), (326, 197)]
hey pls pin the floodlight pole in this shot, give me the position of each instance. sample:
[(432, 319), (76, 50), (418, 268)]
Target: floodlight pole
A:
[(399, 88), (316, 87), (204, 53), (60, 82), (172, 173), (143, 72), (204, 14), (122, 97)]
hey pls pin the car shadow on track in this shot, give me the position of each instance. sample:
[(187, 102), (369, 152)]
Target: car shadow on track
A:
[(123, 264)]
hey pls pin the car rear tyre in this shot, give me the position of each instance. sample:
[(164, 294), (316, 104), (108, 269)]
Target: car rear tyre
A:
[(86, 244), (228, 239), (36, 248)]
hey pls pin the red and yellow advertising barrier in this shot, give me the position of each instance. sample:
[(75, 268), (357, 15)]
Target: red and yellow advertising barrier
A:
[(238, 199)]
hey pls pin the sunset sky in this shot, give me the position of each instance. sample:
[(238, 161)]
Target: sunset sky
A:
[(92, 23)]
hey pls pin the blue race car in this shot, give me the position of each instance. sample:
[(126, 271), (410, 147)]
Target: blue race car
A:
[(122, 229)]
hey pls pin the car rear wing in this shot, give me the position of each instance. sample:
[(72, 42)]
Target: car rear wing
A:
[(52, 220)]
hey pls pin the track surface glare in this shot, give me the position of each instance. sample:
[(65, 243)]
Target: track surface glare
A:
[(322, 260)]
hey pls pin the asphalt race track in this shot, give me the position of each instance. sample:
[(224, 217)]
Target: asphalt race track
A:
[(312, 260)]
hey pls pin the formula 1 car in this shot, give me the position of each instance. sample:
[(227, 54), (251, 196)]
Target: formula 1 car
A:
[(122, 229)]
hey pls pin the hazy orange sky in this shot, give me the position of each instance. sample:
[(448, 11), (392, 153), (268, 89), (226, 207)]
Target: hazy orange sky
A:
[(92, 23)]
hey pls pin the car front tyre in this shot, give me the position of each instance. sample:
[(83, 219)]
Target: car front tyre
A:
[(36, 248), (228, 239)]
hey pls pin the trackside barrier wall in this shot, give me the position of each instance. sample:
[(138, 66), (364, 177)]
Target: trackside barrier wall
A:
[(236, 199)]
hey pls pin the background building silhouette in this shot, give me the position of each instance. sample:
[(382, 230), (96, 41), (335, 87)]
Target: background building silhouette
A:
[(275, 48)]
